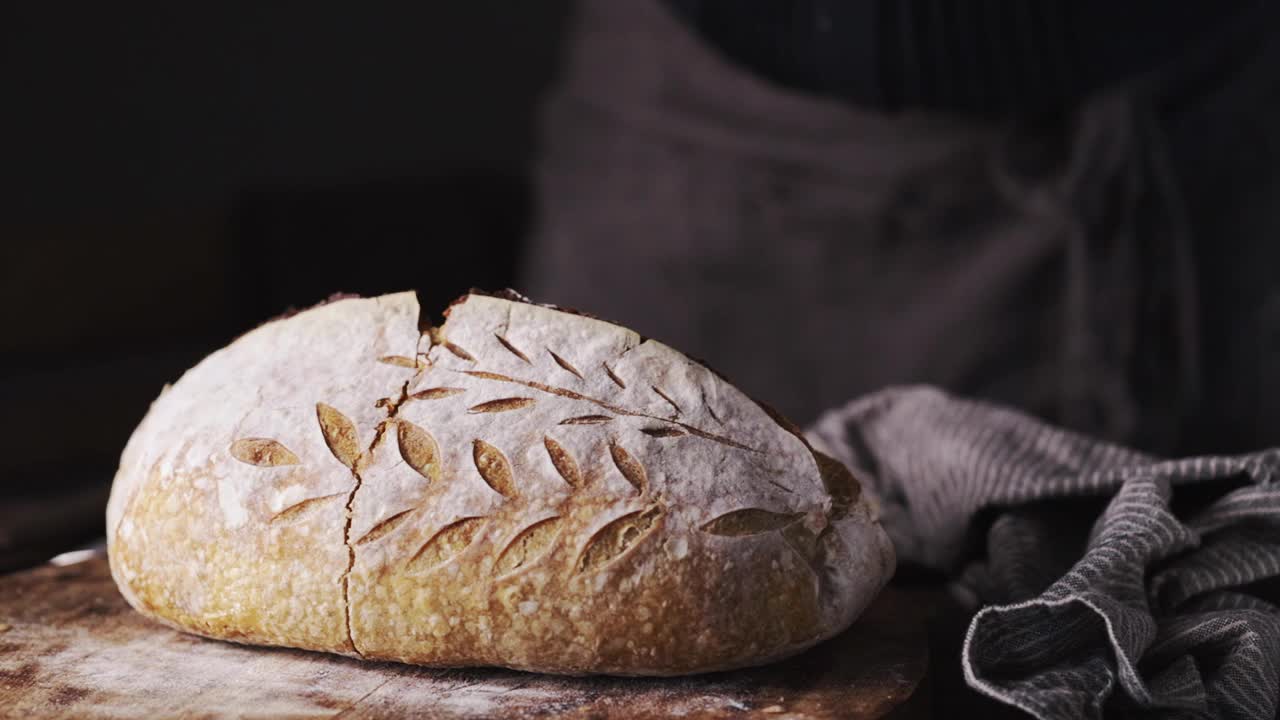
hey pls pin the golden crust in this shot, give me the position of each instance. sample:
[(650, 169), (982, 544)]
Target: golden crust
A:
[(247, 585), (521, 487)]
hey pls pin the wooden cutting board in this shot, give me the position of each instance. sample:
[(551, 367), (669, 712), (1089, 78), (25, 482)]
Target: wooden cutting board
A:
[(70, 647)]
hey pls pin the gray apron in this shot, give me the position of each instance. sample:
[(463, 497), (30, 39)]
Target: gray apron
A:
[(814, 252)]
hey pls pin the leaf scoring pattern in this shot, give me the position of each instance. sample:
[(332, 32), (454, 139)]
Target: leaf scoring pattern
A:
[(748, 521), (532, 543), (501, 405), (613, 376), (565, 392), (263, 452), (339, 434), (385, 526), (419, 449), (494, 468), (617, 537), (304, 506), (457, 350), (565, 364), (399, 361), (447, 543), (663, 432), (710, 410), (563, 462), (486, 375), (421, 452), (630, 468), (436, 393), (512, 348), (666, 397), (586, 420)]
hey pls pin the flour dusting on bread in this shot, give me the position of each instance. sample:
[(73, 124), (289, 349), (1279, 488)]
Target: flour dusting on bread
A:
[(521, 486)]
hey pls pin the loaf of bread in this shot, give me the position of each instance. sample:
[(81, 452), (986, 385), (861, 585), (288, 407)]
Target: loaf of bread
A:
[(523, 487)]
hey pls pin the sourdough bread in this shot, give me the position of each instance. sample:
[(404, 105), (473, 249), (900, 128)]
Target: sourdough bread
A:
[(521, 487)]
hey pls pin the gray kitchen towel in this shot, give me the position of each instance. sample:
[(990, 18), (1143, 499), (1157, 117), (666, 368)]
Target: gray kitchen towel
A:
[(1105, 581)]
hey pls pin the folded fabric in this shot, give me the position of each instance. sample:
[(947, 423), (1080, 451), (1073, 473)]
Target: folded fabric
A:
[(1106, 581)]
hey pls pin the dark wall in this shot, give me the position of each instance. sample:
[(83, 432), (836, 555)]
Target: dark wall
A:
[(113, 107), (174, 174)]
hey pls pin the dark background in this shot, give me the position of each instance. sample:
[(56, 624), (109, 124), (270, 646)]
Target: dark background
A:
[(174, 176)]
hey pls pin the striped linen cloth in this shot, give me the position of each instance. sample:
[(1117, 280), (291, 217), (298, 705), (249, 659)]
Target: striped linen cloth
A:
[(1106, 581)]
